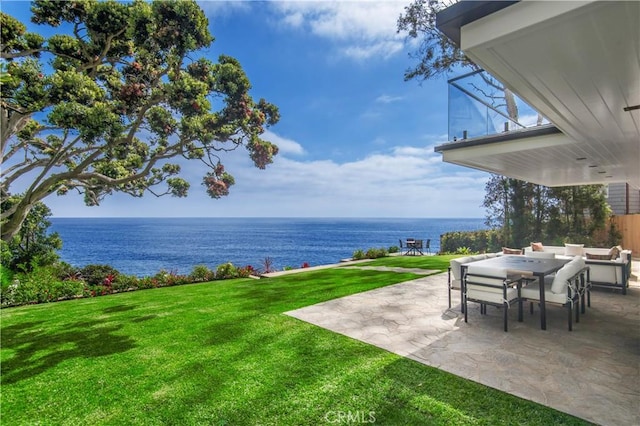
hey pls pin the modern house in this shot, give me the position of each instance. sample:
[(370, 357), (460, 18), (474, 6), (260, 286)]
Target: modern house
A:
[(577, 63)]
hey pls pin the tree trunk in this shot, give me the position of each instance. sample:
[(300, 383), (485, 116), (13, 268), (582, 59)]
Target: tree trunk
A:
[(12, 226)]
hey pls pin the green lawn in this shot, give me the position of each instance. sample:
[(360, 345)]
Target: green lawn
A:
[(223, 353), (425, 262)]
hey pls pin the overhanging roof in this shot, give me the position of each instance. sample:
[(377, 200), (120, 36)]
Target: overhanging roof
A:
[(578, 64)]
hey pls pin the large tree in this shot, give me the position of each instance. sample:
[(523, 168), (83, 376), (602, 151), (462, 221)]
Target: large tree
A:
[(527, 212), (109, 103)]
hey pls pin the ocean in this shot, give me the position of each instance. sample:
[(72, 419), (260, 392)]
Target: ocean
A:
[(145, 246)]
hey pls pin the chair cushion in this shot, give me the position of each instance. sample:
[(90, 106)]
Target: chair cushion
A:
[(491, 271), (560, 282), (532, 292), (477, 293), (456, 264), (477, 257), (492, 278)]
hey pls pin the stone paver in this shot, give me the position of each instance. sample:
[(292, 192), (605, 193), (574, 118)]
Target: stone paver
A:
[(592, 372)]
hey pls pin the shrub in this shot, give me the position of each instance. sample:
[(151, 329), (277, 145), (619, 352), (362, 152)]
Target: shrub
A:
[(267, 265), (246, 271), (38, 286), (476, 241), (124, 282), (226, 271), (67, 289), (64, 271), (358, 255), (374, 253), (6, 276), (201, 273), (147, 282), (95, 275), (463, 250), (394, 249), (170, 278)]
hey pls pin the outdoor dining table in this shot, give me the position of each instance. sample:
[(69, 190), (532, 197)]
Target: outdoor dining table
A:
[(413, 246), (536, 266)]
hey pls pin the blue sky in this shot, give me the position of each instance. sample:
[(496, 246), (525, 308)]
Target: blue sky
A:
[(355, 139)]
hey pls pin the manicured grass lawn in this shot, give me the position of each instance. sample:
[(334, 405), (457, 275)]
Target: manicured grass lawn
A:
[(425, 262), (223, 353)]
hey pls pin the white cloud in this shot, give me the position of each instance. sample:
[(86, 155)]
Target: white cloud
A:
[(387, 99), (403, 181), (223, 8), (361, 29), (285, 146)]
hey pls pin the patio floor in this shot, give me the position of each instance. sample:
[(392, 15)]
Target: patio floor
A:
[(592, 372)]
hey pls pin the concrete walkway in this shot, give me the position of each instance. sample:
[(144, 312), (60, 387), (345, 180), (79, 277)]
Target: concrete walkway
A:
[(592, 372)]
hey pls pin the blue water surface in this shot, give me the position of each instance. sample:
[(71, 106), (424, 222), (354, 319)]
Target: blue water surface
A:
[(144, 246)]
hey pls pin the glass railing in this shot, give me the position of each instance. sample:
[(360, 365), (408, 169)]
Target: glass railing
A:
[(479, 105)]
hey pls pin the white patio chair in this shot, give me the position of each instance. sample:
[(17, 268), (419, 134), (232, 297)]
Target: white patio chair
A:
[(565, 289), (491, 286)]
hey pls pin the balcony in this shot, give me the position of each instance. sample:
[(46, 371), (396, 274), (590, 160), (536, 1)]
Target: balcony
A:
[(479, 105)]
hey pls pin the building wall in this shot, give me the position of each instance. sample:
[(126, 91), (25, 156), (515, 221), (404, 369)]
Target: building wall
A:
[(617, 199)]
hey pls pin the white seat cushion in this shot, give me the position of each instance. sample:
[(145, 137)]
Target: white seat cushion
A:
[(532, 292), (478, 293)]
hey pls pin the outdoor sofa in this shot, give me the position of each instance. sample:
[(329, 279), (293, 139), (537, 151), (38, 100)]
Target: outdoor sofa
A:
[(608, 267)]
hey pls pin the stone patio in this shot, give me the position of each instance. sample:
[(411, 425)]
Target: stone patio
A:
[(592, 372)]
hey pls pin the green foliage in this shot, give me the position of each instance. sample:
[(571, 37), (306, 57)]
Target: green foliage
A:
[(528, 212), (202, 273), (123, 282), (108, 106), (459, 242), (6, 276), (372, 253), (226, 271), (32, 245), (40, 285), (463, 250), (436, 54), (170, 278), (358, 255), (95, 275), (394, 249)]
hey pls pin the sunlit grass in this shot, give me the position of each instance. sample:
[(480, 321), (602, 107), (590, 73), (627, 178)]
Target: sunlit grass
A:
[(224, 353)]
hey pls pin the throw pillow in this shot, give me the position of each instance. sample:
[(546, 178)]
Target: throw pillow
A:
[(573, 249), (614, 252), (598, 256), (507, 250), (537, 247), (541, 254)]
